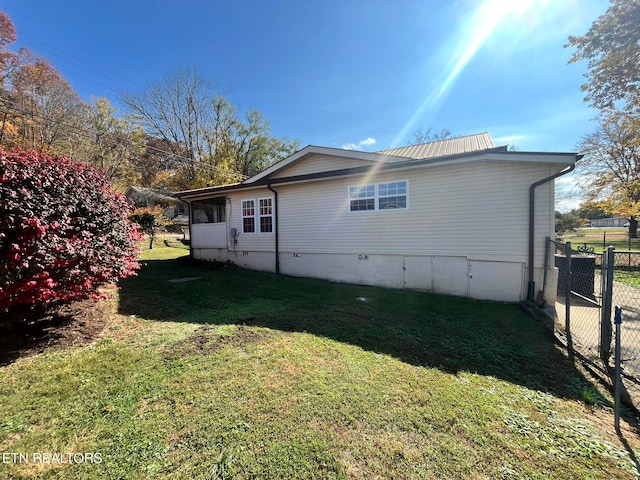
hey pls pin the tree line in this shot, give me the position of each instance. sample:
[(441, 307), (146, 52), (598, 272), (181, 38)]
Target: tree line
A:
[(177, 134)]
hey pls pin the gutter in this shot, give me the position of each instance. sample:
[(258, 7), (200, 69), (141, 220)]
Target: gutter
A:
[(275, 211), (532, 198)]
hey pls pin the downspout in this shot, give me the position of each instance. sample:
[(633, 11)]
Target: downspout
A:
[(532, 198), (275, 211)]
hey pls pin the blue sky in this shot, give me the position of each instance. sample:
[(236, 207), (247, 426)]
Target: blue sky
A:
[(339, 73)]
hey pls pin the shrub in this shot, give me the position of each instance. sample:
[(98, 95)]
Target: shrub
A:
[(64, 233), (151, 221)]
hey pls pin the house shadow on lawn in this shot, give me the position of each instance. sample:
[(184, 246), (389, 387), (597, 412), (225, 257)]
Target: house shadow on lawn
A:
[(449, 333)]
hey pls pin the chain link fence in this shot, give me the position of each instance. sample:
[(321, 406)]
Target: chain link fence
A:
[(590, 284)]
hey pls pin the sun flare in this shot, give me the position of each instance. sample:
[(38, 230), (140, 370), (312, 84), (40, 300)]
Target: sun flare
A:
[(490, 18)]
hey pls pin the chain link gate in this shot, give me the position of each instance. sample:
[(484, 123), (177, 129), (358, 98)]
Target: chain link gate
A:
[(580, 297), (589, 285)]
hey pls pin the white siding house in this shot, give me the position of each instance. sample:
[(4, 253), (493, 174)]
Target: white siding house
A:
[(466, 222)]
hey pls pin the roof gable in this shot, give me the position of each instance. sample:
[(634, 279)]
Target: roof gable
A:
[(348, 158), (351, 158)]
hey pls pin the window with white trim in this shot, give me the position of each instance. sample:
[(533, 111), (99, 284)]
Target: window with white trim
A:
[(248, 216), (257, 215), (392, 195), (362, 198), (266, 215), (381, 196)]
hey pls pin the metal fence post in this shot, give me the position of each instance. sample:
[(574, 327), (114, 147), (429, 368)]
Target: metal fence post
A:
[(618, 321), (607, 303), (567, 293)]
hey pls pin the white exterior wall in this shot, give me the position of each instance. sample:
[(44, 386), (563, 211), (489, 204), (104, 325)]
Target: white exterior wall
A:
[(457, 216), (209, 235), (479, 210), (212, 241), (465, 231)]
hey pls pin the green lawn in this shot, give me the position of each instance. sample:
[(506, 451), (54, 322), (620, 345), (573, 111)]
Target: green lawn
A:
[(236, 374), (601, 238)]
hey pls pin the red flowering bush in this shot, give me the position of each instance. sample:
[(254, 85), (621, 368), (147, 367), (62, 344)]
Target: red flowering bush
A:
[(64, 233)]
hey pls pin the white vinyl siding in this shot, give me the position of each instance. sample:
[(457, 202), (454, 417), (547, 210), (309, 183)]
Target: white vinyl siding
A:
[(209, 235), (320, 163), (478, 210), (250, 241)]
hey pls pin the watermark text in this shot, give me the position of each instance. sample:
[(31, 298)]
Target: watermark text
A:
[(51, 457)]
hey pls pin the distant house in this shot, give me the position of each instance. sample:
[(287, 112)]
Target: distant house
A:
[(458, 216), (142, 197), (612, 222)]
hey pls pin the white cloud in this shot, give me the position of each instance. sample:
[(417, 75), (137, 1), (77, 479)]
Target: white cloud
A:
[(367, 142), (509, 139)]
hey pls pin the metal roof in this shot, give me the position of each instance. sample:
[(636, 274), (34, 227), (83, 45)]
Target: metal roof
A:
[(440, 148)]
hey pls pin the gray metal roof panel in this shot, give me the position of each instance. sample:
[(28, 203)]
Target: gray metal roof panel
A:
[(441, 148)]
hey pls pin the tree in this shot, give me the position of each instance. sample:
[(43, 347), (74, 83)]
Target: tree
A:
[(178, 110), (109, 142), (151, 220), (155, 166), (613, 53), (611, 166), (64, 233), (211, 144), (9, 59), (567, 222), (430, 135), (47, 105), (591, 210)]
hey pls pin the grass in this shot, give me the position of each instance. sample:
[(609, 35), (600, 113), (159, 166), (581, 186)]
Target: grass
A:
[(631, 277), (601, 238), (618, 238), (238, 374)]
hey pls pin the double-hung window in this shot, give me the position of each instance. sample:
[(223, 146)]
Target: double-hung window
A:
[(248, 216), (362, 198), (257, 215), (266, 215), (381, 196), (392, 195)]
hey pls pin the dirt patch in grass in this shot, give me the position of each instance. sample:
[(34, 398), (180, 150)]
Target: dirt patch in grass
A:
[(205, 341), (70, 325)]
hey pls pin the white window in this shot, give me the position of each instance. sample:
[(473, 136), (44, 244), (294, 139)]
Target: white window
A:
[(257, 215), (266, 215), (362, 198), (392, 195), (381, 196), (248, 216)]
